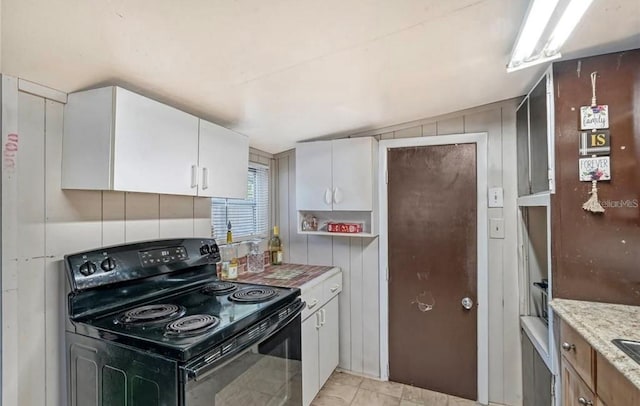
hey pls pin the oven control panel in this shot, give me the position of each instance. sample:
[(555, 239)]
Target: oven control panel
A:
[(123, 263), (163, 256)]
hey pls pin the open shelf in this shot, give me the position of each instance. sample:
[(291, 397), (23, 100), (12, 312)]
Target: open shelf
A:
[(538, 199), (365, 235), (366, 218)]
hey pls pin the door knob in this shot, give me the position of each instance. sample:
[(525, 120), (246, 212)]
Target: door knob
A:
[(467, 303)]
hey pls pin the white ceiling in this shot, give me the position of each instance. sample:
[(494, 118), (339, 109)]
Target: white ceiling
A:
[(282, 71)]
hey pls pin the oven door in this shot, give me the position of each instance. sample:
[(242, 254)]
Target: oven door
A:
[(261, 366)]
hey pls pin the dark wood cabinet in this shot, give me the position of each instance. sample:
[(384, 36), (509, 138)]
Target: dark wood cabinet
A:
[(588, 379)]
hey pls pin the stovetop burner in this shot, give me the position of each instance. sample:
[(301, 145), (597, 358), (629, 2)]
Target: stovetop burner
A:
[(253, 295), (192, 325), (152, 314), (219, 288)]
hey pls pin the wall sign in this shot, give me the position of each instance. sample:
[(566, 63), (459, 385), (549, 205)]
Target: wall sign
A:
[(595, 143), (598, 168), (594, 117)]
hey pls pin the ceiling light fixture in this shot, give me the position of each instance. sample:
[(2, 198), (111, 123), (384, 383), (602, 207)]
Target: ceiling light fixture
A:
[(569, 20), (529, 49)]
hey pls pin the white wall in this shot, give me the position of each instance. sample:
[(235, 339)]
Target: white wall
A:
[(41, 223), (358, 258)]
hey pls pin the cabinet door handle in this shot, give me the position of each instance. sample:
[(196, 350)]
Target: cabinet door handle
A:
[(337, 195), (585, 402), (323, 316), (205, 178), (312, 304), (334, 288), (318, 322), (568, 347), (327, 197), (194, 176)]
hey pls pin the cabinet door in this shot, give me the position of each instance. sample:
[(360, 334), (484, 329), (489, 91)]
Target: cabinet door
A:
[(574, 391), (310, 380), (313, 176), (538, 137), (522, 145), (223, 161), (613, 387), (155, 146), (353, 173), (329, 340)]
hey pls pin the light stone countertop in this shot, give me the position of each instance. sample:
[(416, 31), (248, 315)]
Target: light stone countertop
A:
[(599, 323)]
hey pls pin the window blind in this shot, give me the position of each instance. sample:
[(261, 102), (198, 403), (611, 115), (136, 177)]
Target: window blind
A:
[(249, 217)]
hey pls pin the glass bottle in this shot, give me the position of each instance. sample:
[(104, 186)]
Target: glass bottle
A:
[(229, 233), (275, 248), (232, 272)]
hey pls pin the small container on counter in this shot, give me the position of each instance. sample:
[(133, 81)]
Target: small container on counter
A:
[(255, 257), (229, 267)]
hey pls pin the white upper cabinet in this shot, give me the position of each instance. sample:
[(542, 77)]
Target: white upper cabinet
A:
[(223, 160), (155, 146), (115, 139), (353, 167), (336, 175), (314, 190)]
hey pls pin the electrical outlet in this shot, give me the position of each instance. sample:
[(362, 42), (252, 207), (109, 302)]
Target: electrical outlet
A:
[(496, 228)]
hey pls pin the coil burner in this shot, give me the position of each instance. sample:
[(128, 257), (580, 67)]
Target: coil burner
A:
[(253, 295), (154, 313), (192, 325), (219, 288)]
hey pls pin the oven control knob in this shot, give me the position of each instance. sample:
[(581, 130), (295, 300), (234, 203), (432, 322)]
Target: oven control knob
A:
[(108, 264), (88, 268), (204, 250)]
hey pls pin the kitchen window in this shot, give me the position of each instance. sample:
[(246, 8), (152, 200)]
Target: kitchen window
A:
[(249, 217)]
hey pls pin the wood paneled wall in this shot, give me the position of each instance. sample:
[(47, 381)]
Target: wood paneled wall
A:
[(42, 223), (597, 256), (358, 257)]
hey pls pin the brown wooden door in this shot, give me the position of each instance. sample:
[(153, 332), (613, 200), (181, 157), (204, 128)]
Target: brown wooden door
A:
[(432, 197)]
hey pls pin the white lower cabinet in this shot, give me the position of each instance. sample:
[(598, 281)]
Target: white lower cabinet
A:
[(328, 348), (320, 335), (310, 355)]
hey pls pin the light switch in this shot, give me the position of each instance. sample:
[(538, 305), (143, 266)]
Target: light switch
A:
[(496, 198), (496, 228)]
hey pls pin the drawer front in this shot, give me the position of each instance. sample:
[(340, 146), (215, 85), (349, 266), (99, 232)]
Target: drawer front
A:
[(314, 300), (578, 353), (613, 388), (332, 286)]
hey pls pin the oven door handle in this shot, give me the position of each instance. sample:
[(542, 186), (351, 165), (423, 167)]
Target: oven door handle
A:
[(243, 341)]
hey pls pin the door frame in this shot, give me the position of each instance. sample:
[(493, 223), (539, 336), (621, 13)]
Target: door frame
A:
[(480, 139)]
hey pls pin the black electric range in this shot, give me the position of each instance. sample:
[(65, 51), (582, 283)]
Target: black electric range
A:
[(160, 303)]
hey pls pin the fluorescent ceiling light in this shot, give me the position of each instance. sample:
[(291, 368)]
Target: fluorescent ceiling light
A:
[(535, 22), (569, 20), (531, 47)]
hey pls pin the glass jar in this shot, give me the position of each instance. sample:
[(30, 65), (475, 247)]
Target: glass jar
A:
[(255, 257), (229, 259)]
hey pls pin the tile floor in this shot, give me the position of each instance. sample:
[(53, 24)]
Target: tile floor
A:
[(344, 389)]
